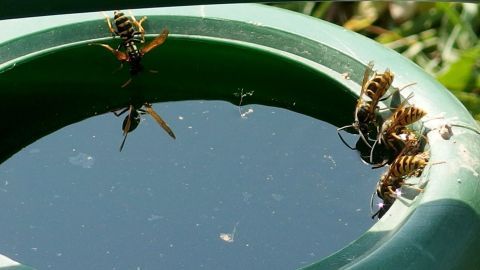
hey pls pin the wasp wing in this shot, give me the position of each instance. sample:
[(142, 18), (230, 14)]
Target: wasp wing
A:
[(159, 120), (366, 78), (159, 40)]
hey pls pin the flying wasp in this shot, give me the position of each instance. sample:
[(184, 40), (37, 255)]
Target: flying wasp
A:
[(132, 120), (131, 32), (374, 87)]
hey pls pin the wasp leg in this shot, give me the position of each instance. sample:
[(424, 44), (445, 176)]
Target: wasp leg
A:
[(121, 56), (117, 114), (412, 186), (112, 30), (127, 83), (118, 69), (139, 26), (341, 138)]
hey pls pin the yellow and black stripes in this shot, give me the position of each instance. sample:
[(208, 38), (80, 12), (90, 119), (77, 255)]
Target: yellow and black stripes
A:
[(407, 115), (378, 85), (125, 28), (407, 165)]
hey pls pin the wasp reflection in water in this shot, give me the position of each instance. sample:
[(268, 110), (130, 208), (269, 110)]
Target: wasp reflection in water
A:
[(132, 120)]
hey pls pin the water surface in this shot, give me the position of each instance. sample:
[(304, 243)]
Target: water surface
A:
[(278, 186)]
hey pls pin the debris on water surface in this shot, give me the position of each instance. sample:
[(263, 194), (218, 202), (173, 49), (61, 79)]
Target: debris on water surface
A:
[(329, 157), (242, 95), (81, 159), (229, 237)]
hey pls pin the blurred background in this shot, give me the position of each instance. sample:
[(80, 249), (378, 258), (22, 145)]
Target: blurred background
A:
[(442, 38)]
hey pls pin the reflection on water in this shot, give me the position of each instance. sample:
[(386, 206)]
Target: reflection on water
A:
[(273, 190)]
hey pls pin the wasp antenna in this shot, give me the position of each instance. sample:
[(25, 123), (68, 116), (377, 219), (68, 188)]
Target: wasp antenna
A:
[(405, 86), (380, 165), (341, 138), (371, 150), (364, 139), (117, 114)]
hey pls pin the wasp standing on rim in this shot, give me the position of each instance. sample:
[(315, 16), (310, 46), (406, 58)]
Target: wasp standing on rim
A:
[(131, 32), (390, 182), (374, 87)]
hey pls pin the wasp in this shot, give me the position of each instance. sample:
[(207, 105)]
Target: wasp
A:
[(394, 134), (131, 32), (402, 167), (374, 87), (132, 120)]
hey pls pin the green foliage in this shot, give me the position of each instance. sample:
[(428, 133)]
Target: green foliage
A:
[(441, 37)]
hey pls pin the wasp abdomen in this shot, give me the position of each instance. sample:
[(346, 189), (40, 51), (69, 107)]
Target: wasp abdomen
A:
[(378, 85), (408, 115), (406, 165), (124, 26)]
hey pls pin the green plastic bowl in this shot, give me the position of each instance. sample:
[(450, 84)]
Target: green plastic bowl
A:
[(299, 62)]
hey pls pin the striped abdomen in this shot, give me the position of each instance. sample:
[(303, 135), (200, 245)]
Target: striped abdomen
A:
[(124, 26), (407, 165), (407, 115), (378, 85)]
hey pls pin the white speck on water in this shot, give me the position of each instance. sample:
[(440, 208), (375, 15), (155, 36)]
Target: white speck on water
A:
[(277, 197), (180, 117), (244, 115), (154, 217), (83, 160), (190, 127), (329, 157), (246, 196)]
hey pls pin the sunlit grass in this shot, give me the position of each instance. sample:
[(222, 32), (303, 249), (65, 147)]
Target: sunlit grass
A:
[(441, 37)]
